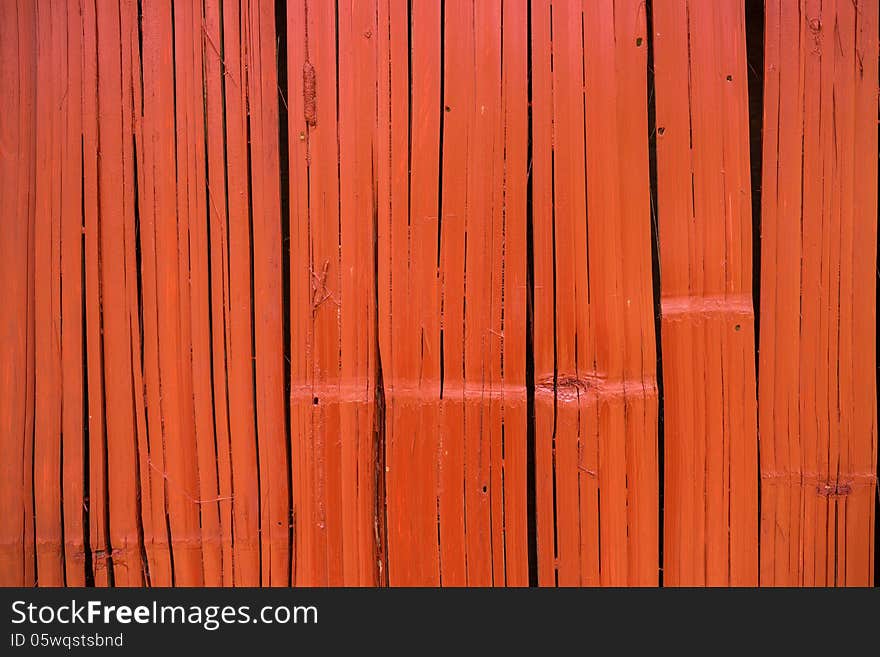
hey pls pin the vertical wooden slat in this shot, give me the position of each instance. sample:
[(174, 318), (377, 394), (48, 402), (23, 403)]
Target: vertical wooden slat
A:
[(195, 314), (596, 392), (47, 286), (18, 36), (861, 447), (316, 274), (624, 387), (178, 471), (567, 423), (333, 213), (73, 407), (509, 319), (817, 388), (267, 290), (463, 199), (452, 292), (115, 208), (410, 338), (216, 73), (305, 524), (96, 503), (152, 446), (544, 282), (358, 422), (707, 318), (242, 422)]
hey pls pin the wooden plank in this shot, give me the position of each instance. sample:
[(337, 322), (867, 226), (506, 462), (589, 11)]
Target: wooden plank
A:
[(115, 184), (195, 313), (151, 444), (623, 387), (242, 423), (357, 58), (817, 396), (510, 317), (566, 428), (47, 286), (861, 441), (267, 289), (479, 399), (307, 529), (218, 233), (452, 287), (18, 34), (72, 321), (150, 524), (596, 392), (463, 512), (710, 534), (178, 470), (316, 279), (333, 212), (544, 282), (96, 502)]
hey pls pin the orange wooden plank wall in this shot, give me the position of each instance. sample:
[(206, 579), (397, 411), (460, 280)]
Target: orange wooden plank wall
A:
[(380, 292)]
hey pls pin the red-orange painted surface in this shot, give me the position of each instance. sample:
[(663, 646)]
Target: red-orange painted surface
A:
[(595, 362), (371, 293), (818, 397), (333, 202), (711, 459), (452, 291)]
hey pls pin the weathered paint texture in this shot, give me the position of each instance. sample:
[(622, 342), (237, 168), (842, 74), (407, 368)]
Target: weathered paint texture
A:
[(437, 292)]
